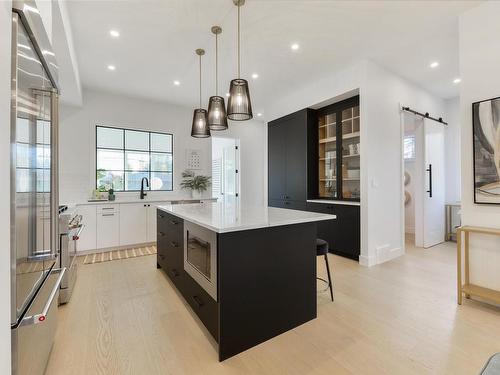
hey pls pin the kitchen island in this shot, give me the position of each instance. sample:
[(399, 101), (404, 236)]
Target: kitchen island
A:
[(248, 272)]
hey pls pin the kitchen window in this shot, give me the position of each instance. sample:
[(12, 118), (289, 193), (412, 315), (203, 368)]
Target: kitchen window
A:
[(125, 156)]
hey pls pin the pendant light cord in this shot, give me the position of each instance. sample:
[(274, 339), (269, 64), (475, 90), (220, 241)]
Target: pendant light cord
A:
[(239, 39), (216, 64), (200, 81)]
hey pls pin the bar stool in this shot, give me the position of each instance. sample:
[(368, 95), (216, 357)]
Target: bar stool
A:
[(322, 249)]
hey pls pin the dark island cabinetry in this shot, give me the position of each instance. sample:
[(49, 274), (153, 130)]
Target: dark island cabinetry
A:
[(170, 257)]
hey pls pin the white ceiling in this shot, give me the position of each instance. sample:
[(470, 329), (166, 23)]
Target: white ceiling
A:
[(158, 39)]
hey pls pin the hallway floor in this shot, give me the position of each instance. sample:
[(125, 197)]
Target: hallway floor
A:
[(400, 317)]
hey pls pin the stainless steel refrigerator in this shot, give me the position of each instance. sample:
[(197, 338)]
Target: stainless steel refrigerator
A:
[(35, 278)]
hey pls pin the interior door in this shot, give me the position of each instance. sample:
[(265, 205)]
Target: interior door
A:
[(230, 172), (434, 180)]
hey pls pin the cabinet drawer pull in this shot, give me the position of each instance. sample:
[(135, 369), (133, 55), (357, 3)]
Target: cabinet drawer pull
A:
[(108, 208), (161, 234), (198, 301), (108, 214), (175, 272), (161, 216), (287, 202), (173, 222), (174, 244)]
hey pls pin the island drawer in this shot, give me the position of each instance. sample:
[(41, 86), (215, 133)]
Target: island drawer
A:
[(202, 304)]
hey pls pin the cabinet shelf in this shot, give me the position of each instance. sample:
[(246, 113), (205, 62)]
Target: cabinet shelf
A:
[(351, 135), (328, 140), (330, 124)]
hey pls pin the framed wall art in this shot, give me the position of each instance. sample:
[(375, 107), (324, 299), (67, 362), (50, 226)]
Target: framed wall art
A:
[(486, 151)]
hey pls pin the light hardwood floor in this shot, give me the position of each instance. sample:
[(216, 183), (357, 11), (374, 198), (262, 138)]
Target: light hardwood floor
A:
[(400, 317)]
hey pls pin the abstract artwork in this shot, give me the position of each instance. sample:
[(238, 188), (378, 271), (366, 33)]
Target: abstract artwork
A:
[(486, 134)]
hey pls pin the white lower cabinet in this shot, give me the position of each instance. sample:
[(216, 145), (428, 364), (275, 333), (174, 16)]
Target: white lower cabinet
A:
[(88, 236), (133, 223), (151, 221), (117, 225), (108, 226)]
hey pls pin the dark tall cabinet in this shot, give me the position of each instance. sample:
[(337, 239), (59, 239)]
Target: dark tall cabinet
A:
[(294, 174), (288, 164)]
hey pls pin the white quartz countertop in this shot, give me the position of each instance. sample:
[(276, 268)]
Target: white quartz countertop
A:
[(146, 200), (223, 217)]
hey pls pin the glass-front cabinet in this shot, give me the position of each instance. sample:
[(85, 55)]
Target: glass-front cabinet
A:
[(339, 151)]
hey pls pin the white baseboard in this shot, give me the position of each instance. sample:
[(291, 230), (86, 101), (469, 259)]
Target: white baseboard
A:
[(383, 253)]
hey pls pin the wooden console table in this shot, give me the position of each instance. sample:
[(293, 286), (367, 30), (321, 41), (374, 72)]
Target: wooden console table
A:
[(467, 288)]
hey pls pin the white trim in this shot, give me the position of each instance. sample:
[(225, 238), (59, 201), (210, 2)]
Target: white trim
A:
[(382, 254)]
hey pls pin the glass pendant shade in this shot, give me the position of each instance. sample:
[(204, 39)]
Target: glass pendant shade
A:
[(239, 107), (217, 119), (200, 128)]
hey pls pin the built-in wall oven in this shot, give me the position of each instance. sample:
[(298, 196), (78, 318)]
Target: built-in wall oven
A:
[(200, 256)]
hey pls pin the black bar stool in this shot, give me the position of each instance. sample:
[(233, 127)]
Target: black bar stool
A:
[(322, 249)]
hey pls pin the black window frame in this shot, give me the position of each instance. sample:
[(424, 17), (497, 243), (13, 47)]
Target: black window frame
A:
[(124, 150)]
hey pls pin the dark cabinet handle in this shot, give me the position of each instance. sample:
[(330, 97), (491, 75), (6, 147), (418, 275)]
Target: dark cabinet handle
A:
[(161, 216), (173, 222), (287, 203), (174, 244), (198, 301), (161, 234)]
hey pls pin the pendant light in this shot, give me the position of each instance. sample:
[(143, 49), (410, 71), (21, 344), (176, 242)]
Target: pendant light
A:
[(217, 119), (239, 107), (200, 128)]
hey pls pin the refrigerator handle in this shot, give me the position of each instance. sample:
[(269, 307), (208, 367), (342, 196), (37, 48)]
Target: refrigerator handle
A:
[(40, 318)]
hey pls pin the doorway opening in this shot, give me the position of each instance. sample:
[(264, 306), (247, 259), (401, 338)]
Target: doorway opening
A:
[(423, 182), (226, 168)]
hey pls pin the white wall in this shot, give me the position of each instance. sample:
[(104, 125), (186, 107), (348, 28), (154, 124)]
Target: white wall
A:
[(77, 140), (384, 93), (479, 60), (5, 48), (452, 150), (381, 94), (253, 159)]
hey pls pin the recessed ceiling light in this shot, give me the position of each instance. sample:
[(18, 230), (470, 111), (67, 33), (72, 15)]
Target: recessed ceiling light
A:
[(114, 33), (434, 64), (259, 114), (177, 83), (111, 67), (255, 76), (457, 80), (295, 46), (228, 94)]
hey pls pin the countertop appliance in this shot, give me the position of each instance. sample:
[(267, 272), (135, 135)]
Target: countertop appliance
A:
[(70, 228), (35, 274)]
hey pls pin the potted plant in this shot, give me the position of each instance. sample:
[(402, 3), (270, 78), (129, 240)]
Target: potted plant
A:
[(111, 194), (197, 184)]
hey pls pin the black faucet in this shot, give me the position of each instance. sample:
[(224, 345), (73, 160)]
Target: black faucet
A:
[(143, 194)]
